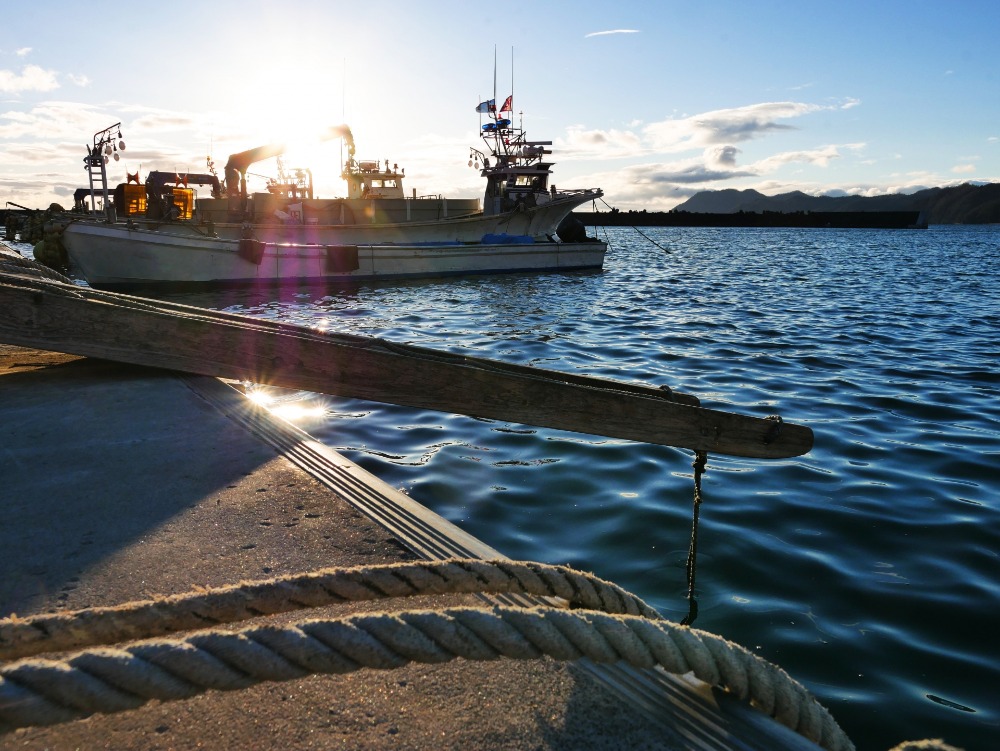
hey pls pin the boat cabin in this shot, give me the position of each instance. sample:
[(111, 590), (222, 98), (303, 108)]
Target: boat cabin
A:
[(295, 184), (366, 180), (517, 176)]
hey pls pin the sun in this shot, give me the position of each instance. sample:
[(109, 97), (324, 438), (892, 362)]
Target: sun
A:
[(297, 109), (298, 105)]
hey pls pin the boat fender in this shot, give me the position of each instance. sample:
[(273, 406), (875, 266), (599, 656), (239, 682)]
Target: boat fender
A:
[(251, 250), (341, 259), (571, 230)]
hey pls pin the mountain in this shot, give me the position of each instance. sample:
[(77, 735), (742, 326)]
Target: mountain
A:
[(962, 204)]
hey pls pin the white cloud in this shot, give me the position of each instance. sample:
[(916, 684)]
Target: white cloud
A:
[(23, 51), (685, 173), (820, 157), (721, 156), (727, 126), (81, 80), (32, 78), (612, 31), (963, 169), (716, 135), (599, 144)]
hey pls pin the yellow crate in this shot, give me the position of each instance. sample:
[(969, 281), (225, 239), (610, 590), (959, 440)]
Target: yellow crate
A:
[(135, 200), (183, 199)]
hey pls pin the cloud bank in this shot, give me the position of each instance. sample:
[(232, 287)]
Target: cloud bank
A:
[(712, 141)]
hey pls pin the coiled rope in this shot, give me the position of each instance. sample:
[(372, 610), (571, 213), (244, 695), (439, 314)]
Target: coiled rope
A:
[(23, 637), (42, 691), (15, 263)]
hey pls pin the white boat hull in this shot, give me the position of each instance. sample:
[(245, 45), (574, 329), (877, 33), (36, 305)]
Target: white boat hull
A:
[(116, 256), (400, 221)]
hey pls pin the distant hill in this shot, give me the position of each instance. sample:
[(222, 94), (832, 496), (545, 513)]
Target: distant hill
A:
[(963, 204)]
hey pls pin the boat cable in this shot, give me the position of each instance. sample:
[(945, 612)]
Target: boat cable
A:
[(640, 232)]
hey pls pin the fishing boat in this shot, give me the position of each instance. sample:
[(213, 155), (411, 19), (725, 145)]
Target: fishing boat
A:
[(163, 233)]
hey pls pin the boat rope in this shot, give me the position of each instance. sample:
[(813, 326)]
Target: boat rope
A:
[(699, 465), (665, 250), (640, 232), (930, 744), (49, 632), (18, 264), (36, 691)]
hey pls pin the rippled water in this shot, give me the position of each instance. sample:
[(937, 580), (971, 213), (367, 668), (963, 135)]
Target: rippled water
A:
[(868, 568)]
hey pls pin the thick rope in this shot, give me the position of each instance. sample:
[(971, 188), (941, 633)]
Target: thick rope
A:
[(18, 264), (22, 637), (39, 692), (930, 744)]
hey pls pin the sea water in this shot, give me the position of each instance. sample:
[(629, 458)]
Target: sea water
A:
[(869, 568)]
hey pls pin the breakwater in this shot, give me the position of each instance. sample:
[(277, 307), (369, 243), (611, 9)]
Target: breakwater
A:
[(802, 219)]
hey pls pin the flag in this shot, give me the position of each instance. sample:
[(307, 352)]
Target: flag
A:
[(508, 105), (490, 105)]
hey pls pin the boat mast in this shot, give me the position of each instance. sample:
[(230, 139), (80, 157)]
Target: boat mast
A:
[(520, 134)]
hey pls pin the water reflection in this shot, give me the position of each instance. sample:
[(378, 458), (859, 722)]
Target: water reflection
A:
[(866, 568)]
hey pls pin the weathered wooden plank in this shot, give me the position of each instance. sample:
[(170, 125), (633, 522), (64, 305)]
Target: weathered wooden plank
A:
[(50, 315)]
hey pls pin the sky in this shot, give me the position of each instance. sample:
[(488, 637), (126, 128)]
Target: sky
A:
[(650, 101)]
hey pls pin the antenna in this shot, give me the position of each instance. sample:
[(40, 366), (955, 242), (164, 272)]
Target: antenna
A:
[(343, 107)]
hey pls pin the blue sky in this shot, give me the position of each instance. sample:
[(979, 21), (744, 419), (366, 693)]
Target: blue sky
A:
[(651, 101)]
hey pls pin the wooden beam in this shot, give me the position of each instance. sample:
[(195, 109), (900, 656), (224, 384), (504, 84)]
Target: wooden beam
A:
[(55, 316)]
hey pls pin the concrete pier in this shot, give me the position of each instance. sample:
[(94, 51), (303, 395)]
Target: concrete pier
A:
[(120, 482)]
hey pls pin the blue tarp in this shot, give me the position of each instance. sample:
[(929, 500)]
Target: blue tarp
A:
[(506, 239)]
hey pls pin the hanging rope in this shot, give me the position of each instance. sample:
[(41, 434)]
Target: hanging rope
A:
[(699, 464)]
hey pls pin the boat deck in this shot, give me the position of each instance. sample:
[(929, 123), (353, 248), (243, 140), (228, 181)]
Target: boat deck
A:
[(121, 483)]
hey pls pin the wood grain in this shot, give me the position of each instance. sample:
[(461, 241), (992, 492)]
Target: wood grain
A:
[(51, 315)]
